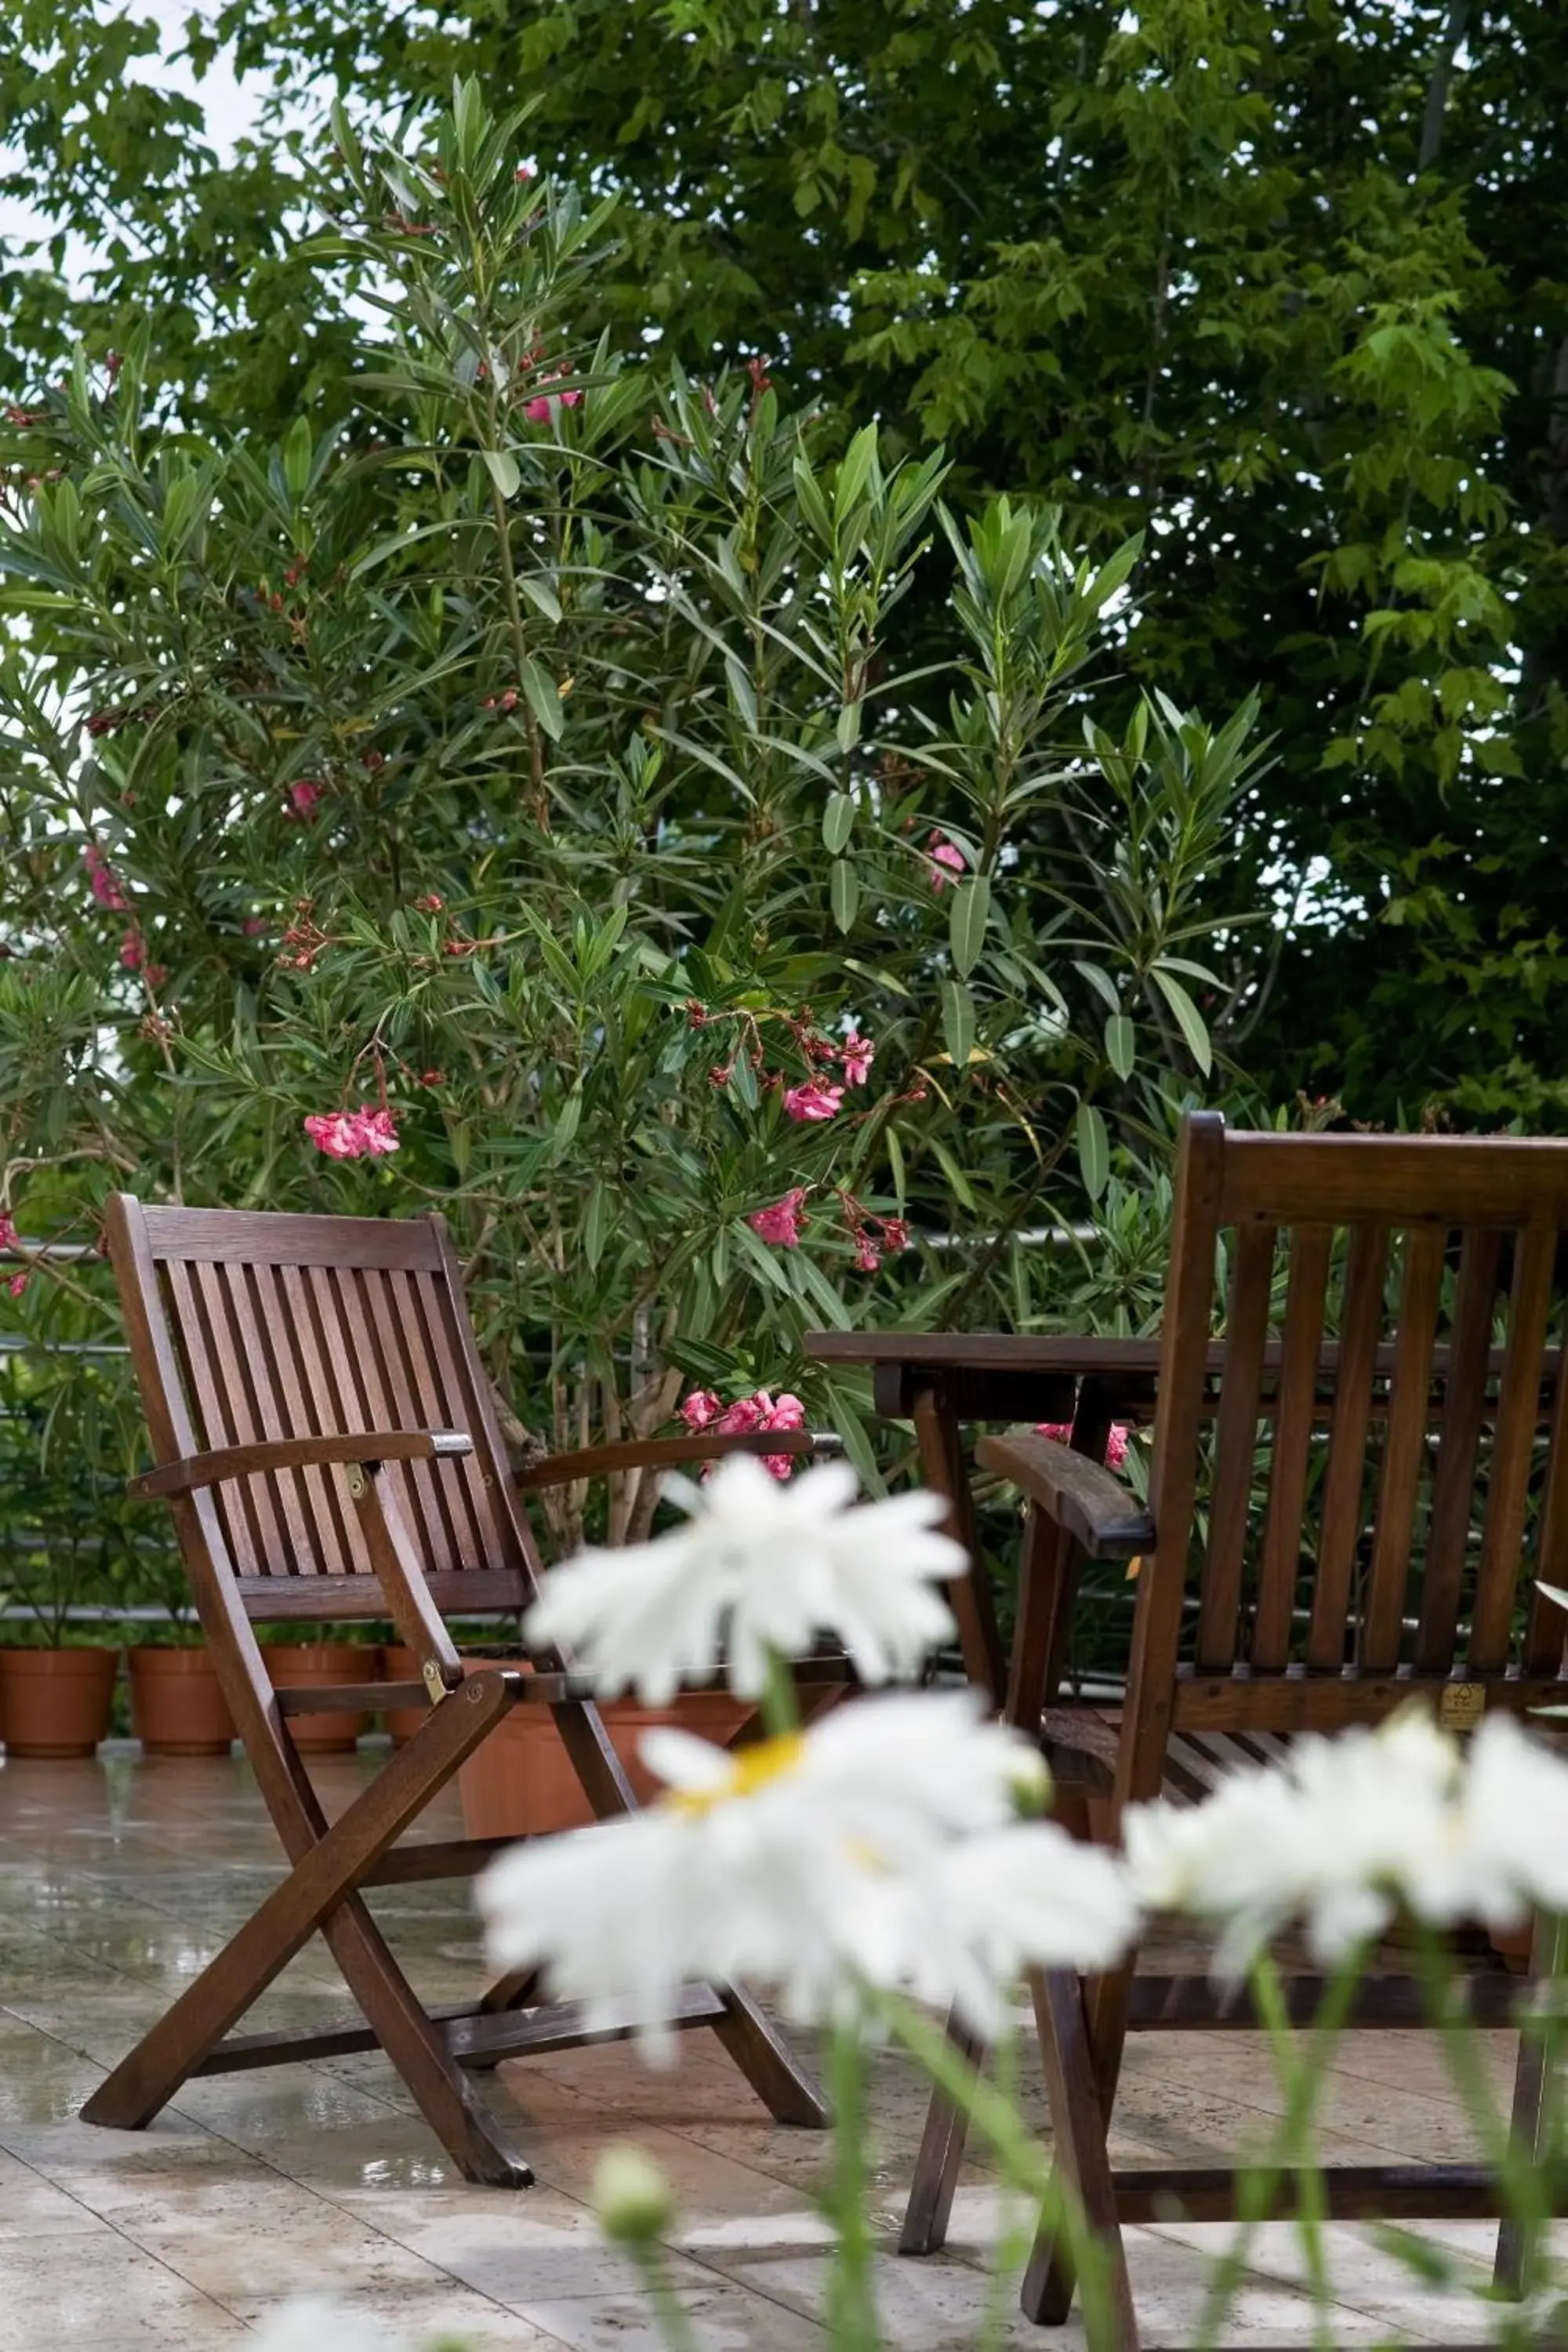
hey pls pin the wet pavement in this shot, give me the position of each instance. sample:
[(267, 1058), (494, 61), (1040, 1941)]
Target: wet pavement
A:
[(122, 1877)]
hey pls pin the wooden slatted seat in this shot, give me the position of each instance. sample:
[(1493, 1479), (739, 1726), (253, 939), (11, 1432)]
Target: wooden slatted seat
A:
[(324, 1434), (1334, 1528)]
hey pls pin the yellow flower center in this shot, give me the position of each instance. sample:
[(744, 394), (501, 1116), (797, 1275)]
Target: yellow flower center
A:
[(753, 1769)]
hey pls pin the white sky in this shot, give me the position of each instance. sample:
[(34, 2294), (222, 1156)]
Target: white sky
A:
[(230, 106)]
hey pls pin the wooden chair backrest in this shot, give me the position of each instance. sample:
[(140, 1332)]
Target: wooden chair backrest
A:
[(253, 1325), (1364, 1524)]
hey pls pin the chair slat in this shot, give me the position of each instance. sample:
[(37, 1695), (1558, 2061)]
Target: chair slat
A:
[(219, 1415), (1519, 1393), (1304, 1298), (286, 1330), (437, 1410), (1453, 1492), (1236, 1444), (464, 1411), (405, 1334), (1548, 1624), (384, 1404), (322, 1412), (225, 1358), (1405, 1449), (249, 1315), (1344, 1482)]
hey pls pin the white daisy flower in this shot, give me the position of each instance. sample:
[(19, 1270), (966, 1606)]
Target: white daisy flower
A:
[(759, 1568), (1509, 1848), (1337, 1835), (811, 1863)]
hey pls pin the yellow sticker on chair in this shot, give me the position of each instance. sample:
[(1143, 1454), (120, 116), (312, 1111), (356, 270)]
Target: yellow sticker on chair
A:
[(1460, 1706), (1133, 1565)]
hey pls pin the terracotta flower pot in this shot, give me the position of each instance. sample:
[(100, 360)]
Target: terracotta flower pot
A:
[(292, 1663), (401, 1664), (57, 1702), (176, 1706), (520, 1784)]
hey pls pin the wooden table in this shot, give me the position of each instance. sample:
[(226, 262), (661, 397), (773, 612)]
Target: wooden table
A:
[(939, 1379)]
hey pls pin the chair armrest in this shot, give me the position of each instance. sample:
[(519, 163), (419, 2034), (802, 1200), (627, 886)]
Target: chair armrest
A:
[(663, 1453), (1078, 1494), (295, 1453)]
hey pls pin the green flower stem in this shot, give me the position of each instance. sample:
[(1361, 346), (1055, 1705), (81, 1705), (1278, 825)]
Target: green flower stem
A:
[(1312, 2203), (1016, 2234), (1524, 2180), (851, 2288), (781, 1713), (1259, 2183), (1025, 2165), (671, 2315)]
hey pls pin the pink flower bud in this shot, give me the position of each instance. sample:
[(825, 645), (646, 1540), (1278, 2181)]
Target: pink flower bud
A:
[(813, 1101), (780, 1223)]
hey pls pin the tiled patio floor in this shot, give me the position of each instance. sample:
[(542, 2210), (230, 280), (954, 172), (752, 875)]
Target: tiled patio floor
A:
[(118, 1879)]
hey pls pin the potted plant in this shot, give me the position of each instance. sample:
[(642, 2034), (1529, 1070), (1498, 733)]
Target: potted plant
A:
[(334, 1655), (177, 1705), (65, 1548)]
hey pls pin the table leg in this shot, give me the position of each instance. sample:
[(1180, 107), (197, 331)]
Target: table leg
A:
[(942, 1463)]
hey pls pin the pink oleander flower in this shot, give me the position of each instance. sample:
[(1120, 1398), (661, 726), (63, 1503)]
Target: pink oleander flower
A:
[(867, 1257), (378, 1132), (334, 1132), (1115, 1444), (7, 1232), (760, 1410), (253, 927), (856, 1058), (780, 1223), (15, 1284), (946, 862), (102, 881), (700, 1407), (747, 1412), (133, 950), (813, 1099), (304, 799), (539, 410), (788, 1412), (352, 1134), (895, 1233)]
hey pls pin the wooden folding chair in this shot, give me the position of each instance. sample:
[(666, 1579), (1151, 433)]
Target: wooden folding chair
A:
[(324, 1433), (1333, 1530)]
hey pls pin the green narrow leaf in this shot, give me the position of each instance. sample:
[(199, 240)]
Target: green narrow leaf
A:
[(1189, 1020), (970, 906), (743, 1080), (963, 1193), (837, 822), (503, 471), (543, 699), (1101, 982), (957, 1021), (896, 1165), (596, 1224), (1093, 1151), (540, 593), (565, 1128), (1121, 1045), (846, 728), (741, 693), (844, 888)]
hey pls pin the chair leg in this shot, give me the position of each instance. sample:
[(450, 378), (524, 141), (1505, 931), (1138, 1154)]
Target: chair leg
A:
[(937, 2167), (319, 1894), (1078, 2112), (768, 2063), (1531, 2092), (476, 2143)]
